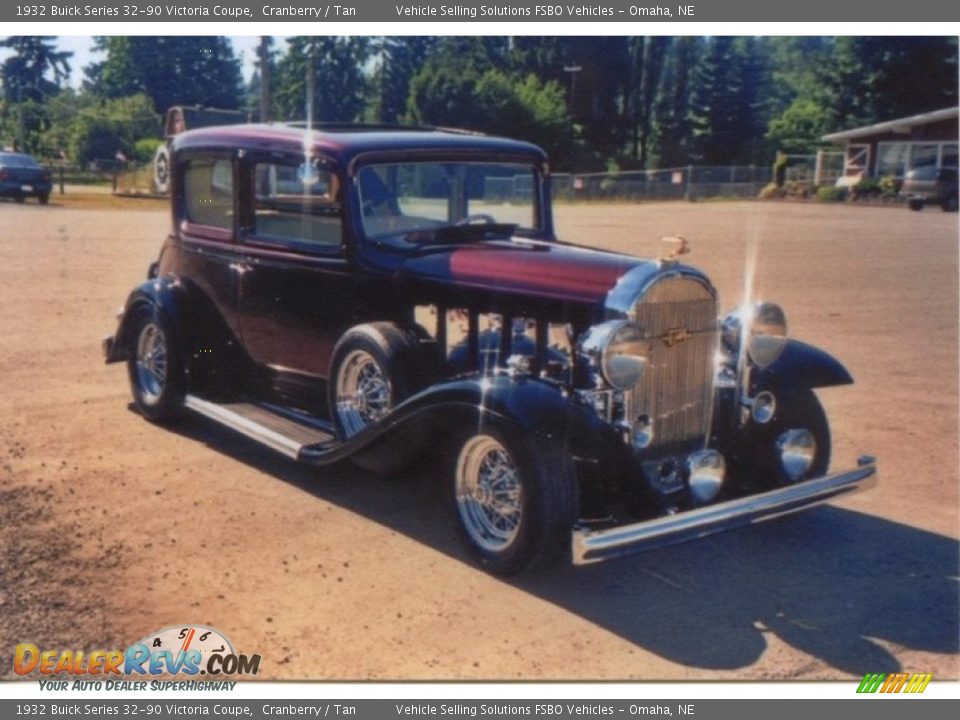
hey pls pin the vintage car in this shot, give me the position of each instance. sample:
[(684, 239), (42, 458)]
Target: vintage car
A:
[(398, 296)]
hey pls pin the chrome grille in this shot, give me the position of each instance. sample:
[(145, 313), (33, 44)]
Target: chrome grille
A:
[(678, 315)]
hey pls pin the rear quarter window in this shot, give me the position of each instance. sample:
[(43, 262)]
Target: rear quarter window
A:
[(208, 192)]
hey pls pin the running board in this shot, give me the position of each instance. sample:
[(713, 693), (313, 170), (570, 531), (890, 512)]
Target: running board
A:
[(278, 431)]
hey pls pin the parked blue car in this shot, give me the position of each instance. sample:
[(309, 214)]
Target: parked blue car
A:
[(21, 176)]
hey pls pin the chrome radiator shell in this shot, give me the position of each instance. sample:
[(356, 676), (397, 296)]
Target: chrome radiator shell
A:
[(677, 313)]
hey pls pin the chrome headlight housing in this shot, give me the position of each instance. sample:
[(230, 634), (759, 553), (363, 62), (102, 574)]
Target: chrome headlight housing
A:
[(768, 334), (617, 351), (766, 326)]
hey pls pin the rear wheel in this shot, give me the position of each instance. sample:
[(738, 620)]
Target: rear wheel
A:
[(44, 198), (515, 499), (915, 204), (950, 204), (156, 370)]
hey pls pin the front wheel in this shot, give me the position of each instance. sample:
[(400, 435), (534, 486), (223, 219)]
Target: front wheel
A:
[(515, 499), (156, 370), (374, 368), (915, 205)]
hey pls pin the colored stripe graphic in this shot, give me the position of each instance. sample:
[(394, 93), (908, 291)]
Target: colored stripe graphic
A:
[(918, 683), (871, 682), (894, 682)]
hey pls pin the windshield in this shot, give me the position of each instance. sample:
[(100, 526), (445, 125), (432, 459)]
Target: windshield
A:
[(18, 161), (425, 200)]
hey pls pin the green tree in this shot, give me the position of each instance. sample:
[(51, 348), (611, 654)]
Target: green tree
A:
[(595, 72), (101, 129), (798, 129), (30, 75), (544, 57), (26, 74), (717, 85), (901, 76), (399, 59), (752, 103), (673, 126), (259, 91), (179, 70), (647, 61), (827, 84), (332, 68), (493, 102)]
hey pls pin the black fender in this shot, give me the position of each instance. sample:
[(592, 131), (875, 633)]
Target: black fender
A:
[(801, 367), (212, 359), (163, 295), (422, 424)]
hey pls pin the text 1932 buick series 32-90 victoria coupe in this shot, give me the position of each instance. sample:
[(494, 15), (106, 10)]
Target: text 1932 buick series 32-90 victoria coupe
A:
[(398, 295)]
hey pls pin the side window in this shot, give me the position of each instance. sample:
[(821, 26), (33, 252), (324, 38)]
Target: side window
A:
[(293, 210), (208, 192)]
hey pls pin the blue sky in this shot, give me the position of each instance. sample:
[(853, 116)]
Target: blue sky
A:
[(83, 55)]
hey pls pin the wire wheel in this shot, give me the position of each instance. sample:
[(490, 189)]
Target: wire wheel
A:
[(489, 493), (151, 364), (364, 395)]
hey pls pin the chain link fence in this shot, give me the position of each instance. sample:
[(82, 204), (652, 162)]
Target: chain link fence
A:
[(681, 183)]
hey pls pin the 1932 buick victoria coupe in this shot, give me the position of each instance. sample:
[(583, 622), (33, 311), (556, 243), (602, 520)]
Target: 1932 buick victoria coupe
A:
[(397, 295)]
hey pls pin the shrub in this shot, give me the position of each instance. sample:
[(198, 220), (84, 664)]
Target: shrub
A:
[(797, 189), (868, 187), (770, 191), (145, 148), (831, 193), (889, 186)]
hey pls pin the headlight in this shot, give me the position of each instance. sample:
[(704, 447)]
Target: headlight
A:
[(618, 350), (768, 334)]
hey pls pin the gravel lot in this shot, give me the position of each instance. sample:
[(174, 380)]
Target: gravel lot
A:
[(111, 528)]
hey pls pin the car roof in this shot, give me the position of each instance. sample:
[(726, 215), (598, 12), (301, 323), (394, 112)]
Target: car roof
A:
[(347, 142)]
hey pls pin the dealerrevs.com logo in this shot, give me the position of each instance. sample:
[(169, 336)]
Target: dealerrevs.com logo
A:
[(894, 682), (184, 650)]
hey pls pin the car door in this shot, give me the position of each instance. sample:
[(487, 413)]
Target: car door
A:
[(206, 216), (298, 292)]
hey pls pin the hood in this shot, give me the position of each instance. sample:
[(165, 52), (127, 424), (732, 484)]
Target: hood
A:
[(525, 267)]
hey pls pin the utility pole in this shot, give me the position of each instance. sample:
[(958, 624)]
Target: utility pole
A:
[(263, 55), (573, 70)]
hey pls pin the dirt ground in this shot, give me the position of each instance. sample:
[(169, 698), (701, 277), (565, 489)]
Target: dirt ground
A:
[(111, 528)]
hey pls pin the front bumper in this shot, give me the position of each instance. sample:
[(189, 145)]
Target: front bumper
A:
[(590, 546)]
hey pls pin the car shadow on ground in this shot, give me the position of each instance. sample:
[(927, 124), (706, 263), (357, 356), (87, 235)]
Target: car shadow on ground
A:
[(838, 585)]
